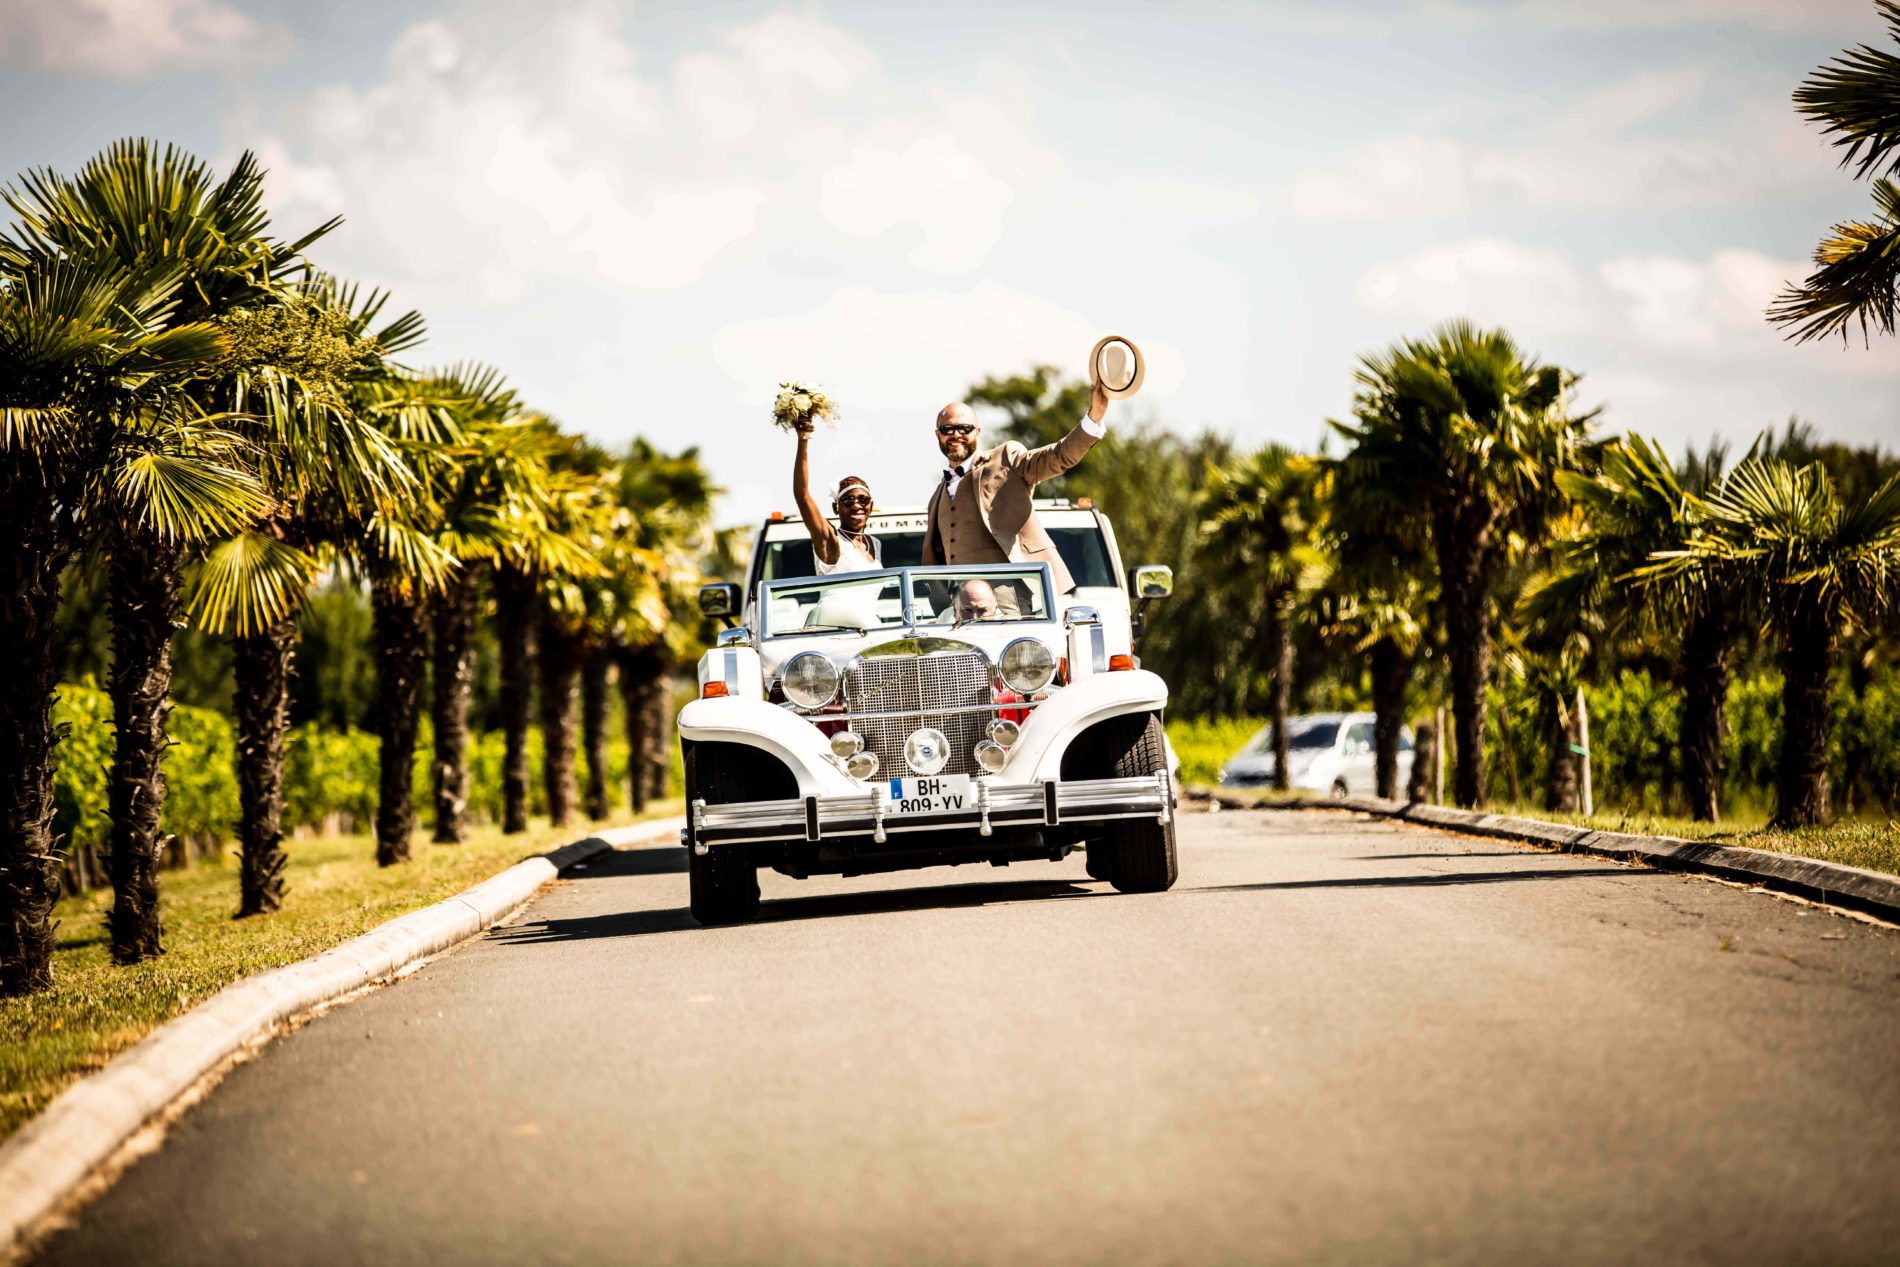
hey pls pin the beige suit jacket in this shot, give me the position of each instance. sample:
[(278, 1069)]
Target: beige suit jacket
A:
[(1005, 480)]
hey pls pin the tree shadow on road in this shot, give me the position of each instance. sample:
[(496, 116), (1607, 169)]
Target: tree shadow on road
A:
[(1474, 853), (1425, 881), (784, 910), (666, 860)]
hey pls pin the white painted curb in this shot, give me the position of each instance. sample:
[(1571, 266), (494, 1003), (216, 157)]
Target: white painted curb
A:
[(51, 1155)]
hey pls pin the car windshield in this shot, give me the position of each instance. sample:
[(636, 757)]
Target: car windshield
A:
[(1082, 549), (947, 597), (1301, 733), (962, 596)]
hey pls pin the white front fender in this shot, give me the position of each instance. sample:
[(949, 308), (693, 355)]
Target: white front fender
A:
[(1055, 722), (757, 724)]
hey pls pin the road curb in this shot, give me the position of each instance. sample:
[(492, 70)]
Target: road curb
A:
[(1828, 882), (52, 1155)]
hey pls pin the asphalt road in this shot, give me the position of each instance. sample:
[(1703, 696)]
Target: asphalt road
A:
[(1337, 1040)]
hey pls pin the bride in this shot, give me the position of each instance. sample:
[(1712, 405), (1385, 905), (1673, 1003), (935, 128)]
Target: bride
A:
[(848, 547)]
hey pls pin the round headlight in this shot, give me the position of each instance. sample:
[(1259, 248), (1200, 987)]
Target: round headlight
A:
[(1026, 666), (846, 744), (861, 765), (992, 756), (926, 751), (1004, 731), (810, 680)]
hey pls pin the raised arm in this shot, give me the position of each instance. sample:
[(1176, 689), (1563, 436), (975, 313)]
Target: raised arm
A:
[(824, 538), (1051, 460)]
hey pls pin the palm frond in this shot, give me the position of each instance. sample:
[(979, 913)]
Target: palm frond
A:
[(1857, 95), (247, 582), (1858, 278)]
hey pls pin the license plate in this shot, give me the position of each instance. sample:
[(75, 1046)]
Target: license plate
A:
[(932, 794)]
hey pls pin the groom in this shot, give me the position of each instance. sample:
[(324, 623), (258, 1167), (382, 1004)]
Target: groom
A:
[(982, 510)]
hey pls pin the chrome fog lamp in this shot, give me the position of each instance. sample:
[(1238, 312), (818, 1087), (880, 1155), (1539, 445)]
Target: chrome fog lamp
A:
[(926, 751), (992, 756), (1004, 732), (846, 744), (861, 765), (1026, 665), (810, 680)]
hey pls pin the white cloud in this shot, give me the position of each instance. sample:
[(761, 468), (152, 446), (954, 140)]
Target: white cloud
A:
[(918, 349), (1489, 280), (931, 182), (1606, 150), (512, 155), (1777, 15), (132, 38), (1672, 345)]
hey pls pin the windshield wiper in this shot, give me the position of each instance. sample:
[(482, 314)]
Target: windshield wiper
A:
[(805, 629)]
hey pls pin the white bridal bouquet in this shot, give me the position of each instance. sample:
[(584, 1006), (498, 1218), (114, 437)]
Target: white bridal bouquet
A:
[(802, 402)]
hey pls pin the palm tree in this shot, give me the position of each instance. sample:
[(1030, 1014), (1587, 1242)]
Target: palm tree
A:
[(86, 353), (1375, 601), (1467, 432), (668, 498), (1635, 504), (141, 209), (330, 412), (499, 506), (1857, 97), (1262, 514), (1821, 566)]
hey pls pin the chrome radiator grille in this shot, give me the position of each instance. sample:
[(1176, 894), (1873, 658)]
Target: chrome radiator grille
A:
[(923, 686)]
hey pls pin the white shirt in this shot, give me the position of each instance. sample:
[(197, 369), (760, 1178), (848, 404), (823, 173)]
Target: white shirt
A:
[(850, 557), (953, 474)]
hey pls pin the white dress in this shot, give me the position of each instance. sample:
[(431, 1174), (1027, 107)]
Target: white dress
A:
[(851, 558)]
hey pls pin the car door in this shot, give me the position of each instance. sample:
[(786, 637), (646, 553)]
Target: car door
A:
[(1356, 764)]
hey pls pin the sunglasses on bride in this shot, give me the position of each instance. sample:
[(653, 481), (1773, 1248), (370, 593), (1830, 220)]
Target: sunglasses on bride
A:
[(855, 499)]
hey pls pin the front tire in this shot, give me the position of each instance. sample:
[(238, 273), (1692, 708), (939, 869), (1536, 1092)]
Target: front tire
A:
[(723, 882), (1141, 851)]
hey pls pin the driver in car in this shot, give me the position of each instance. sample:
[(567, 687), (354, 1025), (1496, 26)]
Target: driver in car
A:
[(976, 600)]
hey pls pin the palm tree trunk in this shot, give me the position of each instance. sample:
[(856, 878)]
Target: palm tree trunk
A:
[(660, 732), (1560, 769), (1278, 645), (1391, 674), (637, 668), (1418, 784), (402, 659), (1704, 697), (38, 543), (453, 680), (144, 573), (560, 668), (261, 668), (1807, 662), (594, 688), (514, 620), (1460, 538)]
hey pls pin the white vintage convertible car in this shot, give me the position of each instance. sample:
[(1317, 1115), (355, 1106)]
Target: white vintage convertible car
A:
[(922, 716)]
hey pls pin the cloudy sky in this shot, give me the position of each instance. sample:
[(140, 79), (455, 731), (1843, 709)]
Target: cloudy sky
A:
[(648, 214)]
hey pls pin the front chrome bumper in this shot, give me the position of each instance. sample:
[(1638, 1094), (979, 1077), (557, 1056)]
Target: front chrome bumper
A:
[(869, 813)]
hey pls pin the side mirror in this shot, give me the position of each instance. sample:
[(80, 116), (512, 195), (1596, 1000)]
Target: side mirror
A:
[(721, 601), (1147, 582), (1151, 580)]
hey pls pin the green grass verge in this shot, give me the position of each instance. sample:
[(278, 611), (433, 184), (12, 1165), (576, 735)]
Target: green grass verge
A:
[(1870, 844), (335, 892)]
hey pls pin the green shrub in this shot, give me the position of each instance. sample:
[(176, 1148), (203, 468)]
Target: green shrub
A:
[(1204, 744)]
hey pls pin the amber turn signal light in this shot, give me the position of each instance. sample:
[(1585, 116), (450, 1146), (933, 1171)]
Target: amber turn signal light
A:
[(1120, 662), (713, 690)]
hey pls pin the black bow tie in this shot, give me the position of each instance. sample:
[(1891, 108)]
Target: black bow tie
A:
[(949, 471)]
